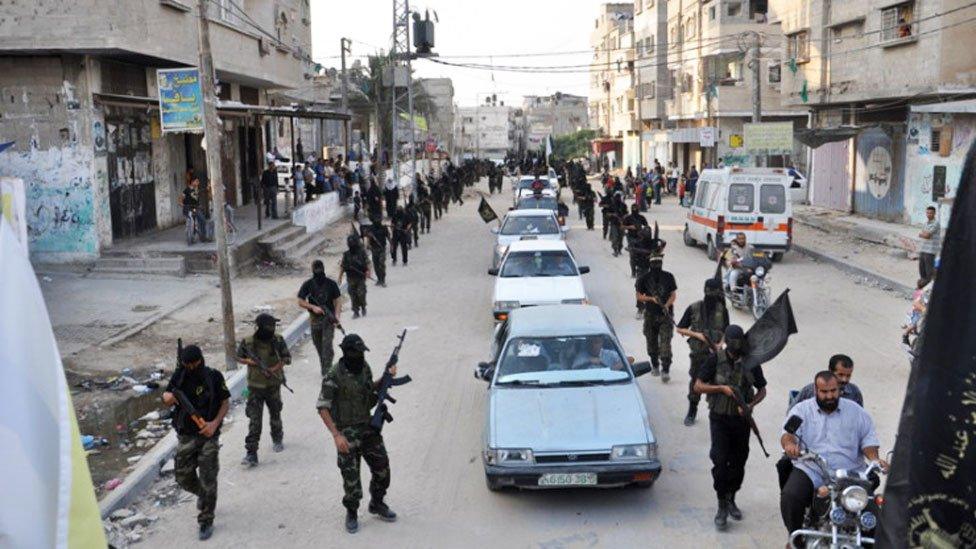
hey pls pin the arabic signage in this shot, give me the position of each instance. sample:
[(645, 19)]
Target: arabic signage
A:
[(768, 137), (180, 100), (706, 137)]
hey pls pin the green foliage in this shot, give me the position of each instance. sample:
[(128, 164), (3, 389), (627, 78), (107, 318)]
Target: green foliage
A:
[(573, 145)]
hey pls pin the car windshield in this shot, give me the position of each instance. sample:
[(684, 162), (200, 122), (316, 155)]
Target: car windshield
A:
[(527, 183), (516, 225), (575, 360), (548, 263), (533, 203)]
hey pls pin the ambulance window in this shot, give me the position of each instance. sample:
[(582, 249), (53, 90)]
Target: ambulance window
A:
[(702, 191), (772, 199), (741, 198)]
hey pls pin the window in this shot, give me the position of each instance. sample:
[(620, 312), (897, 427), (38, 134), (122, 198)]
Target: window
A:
[(772, 199), (741, 197), (898, 22), (798, 46), (734, 9), (724, 70), (549, 361), (690, 25), (672, 82), (775, 73), (701, 192), (711, 13)]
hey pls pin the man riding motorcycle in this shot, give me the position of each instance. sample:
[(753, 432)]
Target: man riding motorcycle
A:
[(738, 250), (839, 431)]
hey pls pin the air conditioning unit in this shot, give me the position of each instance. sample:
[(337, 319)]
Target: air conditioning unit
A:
[(263, 47)]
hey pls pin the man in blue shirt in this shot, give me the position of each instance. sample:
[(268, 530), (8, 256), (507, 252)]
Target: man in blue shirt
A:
[(836, 429)]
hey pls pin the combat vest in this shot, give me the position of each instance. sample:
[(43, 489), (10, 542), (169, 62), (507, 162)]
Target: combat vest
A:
[(734, 376), (354, 396), (355, 264), (270, 354), (713, 327)]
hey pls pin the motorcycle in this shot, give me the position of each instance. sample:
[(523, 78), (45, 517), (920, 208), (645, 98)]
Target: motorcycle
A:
[(752, 290), (848, 515)]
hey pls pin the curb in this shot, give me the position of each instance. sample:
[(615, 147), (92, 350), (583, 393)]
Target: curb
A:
[(152, 319), (147, 469), (846, 267)]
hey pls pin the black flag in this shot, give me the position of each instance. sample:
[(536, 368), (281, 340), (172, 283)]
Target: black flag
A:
[(931, 491), (485, 211), (767, 337)]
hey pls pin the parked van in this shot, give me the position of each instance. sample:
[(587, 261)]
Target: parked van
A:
[(754, 201)]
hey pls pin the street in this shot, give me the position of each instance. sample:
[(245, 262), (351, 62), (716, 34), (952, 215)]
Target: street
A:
[(438, 490)]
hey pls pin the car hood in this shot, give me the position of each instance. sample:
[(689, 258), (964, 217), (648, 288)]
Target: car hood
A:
[(543, 289), (567, 418), (505, 240)]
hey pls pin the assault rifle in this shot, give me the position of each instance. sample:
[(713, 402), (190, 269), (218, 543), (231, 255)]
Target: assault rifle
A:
[(265, 369), (328, 313), (381, 414), (187, 406)]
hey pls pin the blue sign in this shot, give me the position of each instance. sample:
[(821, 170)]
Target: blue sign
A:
[(180, 100)]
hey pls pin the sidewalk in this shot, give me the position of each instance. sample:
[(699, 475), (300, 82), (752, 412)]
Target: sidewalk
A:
[(877, 252)]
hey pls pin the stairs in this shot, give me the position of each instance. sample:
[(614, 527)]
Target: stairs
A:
[(291, 244), (133, 264)]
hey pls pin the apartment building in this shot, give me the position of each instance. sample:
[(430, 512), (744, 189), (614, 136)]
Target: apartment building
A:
[(439, 101), (711, 76), (889, 86), (81, 105), (612, 104), (556, 115), (653, 85), (486, 131)]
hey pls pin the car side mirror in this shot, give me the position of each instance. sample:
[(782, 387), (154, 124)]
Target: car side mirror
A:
[(485, 371), (493, 272), (641, 368), (494, 230), (584, 269)]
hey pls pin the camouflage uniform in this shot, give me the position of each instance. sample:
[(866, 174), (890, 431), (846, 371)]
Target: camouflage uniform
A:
[(658, 326), (196, 453), (264, 390), (354, 265), (713, 326), (349, 398)]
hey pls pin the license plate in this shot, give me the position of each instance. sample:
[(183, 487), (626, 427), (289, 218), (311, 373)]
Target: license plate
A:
[(568, 479)]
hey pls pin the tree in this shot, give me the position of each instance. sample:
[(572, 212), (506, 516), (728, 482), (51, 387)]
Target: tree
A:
[(573, 145)]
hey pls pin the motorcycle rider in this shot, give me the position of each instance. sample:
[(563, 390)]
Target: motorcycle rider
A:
[(738, 250), (843, 368), (839, 431)]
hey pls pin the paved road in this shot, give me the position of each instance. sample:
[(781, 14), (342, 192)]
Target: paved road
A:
[(438, 487)]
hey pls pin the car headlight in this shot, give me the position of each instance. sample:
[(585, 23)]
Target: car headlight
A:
[(574, 301), (854, 498), (506, 305), (761, 271), (630, 452), (508, 456)]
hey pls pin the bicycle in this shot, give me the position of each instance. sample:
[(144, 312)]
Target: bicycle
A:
[(192, 226)]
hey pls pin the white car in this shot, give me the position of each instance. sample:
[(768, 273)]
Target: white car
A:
[(525, 224), (537, 272), (523, 188)]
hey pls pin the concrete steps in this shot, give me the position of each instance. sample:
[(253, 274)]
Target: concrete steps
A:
[(120, 263), (292, 243)]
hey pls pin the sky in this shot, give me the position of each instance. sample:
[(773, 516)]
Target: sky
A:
[(467, 28)]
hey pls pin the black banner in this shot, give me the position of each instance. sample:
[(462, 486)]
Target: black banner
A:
[(485, 211), (768, 336), (931, 491)]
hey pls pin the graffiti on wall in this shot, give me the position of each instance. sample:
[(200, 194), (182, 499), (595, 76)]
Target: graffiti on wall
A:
[(60, 200)]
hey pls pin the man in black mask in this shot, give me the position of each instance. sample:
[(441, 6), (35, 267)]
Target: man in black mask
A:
[(657, 291), (633, 223), (268, 349), (704, 324), (615, 215), (378, 235), (198, 448), (348, 393), (320, 296), (725, 382), (355, 267), (401, 234)]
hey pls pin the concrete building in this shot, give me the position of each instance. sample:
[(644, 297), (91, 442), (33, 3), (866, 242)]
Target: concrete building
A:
[(711, 75), (439, 98), (81, 104), (486, 131), (871, 74), (557, 115), (653, 85), (612, 105)]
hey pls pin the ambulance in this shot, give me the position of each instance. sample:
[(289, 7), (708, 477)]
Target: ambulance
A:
[(754, 201)]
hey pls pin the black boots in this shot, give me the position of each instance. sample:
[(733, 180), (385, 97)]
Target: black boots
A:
[(666, 372), (352, 522), (722, 515), (250, 459), (734, 510), (382, 511), (655, 367), (206, 530), (692, 414)]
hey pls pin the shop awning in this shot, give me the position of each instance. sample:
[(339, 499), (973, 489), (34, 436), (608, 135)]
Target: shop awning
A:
[(966, 106), (226, 107), (813, 138)]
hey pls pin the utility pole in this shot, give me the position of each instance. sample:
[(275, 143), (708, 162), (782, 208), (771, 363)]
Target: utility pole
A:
[(756, 66), (346, 125), (400, 52), (211, 135)]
